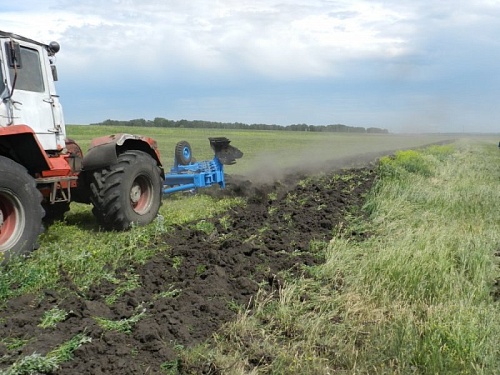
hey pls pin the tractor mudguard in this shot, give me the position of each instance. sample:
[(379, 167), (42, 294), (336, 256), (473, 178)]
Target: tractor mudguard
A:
[(104, 151), (19, 142)]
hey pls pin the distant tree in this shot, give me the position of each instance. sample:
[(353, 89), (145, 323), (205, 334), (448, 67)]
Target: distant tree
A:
[(377, 130), (159, 122)]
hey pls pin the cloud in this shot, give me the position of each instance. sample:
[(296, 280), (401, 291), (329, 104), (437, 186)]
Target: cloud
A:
[(359, 62), (276, 39)]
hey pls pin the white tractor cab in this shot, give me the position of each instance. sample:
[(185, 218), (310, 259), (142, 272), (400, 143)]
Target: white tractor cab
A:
[(27, 90)]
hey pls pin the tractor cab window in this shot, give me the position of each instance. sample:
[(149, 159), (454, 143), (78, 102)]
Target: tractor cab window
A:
[(29, 77)]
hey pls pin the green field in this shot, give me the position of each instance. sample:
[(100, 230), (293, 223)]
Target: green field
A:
[(268, 150)]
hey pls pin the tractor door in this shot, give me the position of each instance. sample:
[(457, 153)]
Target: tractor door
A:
[(33, 100)]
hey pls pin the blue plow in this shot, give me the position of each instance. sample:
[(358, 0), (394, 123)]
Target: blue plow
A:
[(187, 174)]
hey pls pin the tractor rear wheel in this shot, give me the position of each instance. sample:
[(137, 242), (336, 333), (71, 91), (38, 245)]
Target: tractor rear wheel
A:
[(21, 210), (183, 154), (128, 192)]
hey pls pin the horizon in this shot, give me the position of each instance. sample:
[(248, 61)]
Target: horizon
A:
[(314, 125)]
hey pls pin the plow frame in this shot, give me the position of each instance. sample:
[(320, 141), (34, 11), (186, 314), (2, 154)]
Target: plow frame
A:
[(193, 176)]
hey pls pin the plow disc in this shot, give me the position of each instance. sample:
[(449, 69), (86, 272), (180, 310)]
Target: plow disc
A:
[(226, 153)]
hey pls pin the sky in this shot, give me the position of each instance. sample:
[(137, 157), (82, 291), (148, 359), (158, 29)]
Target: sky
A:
[(402, 65)]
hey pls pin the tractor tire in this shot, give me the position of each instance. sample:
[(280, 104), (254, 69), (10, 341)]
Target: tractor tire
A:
[(21, 211), (128, 192), (183, 154)]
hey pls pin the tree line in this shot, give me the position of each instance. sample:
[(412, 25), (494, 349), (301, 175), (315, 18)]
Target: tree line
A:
[(159, 122)]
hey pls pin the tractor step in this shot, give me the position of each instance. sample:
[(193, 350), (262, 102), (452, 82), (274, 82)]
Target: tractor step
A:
[(58, 189)]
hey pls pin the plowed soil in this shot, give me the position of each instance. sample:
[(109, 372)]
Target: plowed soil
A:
[(189, 290)]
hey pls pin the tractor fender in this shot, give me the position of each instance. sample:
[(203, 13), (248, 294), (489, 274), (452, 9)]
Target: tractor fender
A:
[(19, 143), (104, 151)]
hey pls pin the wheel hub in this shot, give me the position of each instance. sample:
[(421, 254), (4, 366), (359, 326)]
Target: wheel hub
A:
[(135, 193), (140, 195), (12, 219)]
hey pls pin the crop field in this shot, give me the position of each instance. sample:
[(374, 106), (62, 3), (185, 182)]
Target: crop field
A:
[(327, 253), (270, 151)]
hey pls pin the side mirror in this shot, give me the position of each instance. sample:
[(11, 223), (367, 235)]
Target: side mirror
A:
[(13, 54)]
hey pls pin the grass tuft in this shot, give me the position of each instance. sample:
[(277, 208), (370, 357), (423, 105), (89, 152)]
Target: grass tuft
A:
[(52, 317), (48, 364), (122, 325)]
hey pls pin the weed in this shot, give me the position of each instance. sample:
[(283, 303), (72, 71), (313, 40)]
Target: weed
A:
[(178, 347), (235, 306), (263, 268), (177, 262), (131, 282), (291, 198), (64, 352), (14, 343), (205, 226), (122, 325), (52, 317), (409, 161), (225, 222), (288, 218), (225, 236), (38, 364), (272, 196), (303, 183), (33, 364), (441, 152), (134, 352), (171, 292), (272, 210), (346, 177), (200, 269), (318, 247), (263, 229), (172, 367)]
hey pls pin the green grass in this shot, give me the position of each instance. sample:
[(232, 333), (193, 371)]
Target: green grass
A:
[(122, 325), (414, 298), (130, 282), (52, 317), (48, 364)]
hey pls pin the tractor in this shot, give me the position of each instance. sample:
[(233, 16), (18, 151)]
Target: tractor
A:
[(42, 171)]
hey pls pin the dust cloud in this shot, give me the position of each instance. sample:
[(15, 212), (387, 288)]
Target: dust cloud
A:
[(330, 154), (274, 166)]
